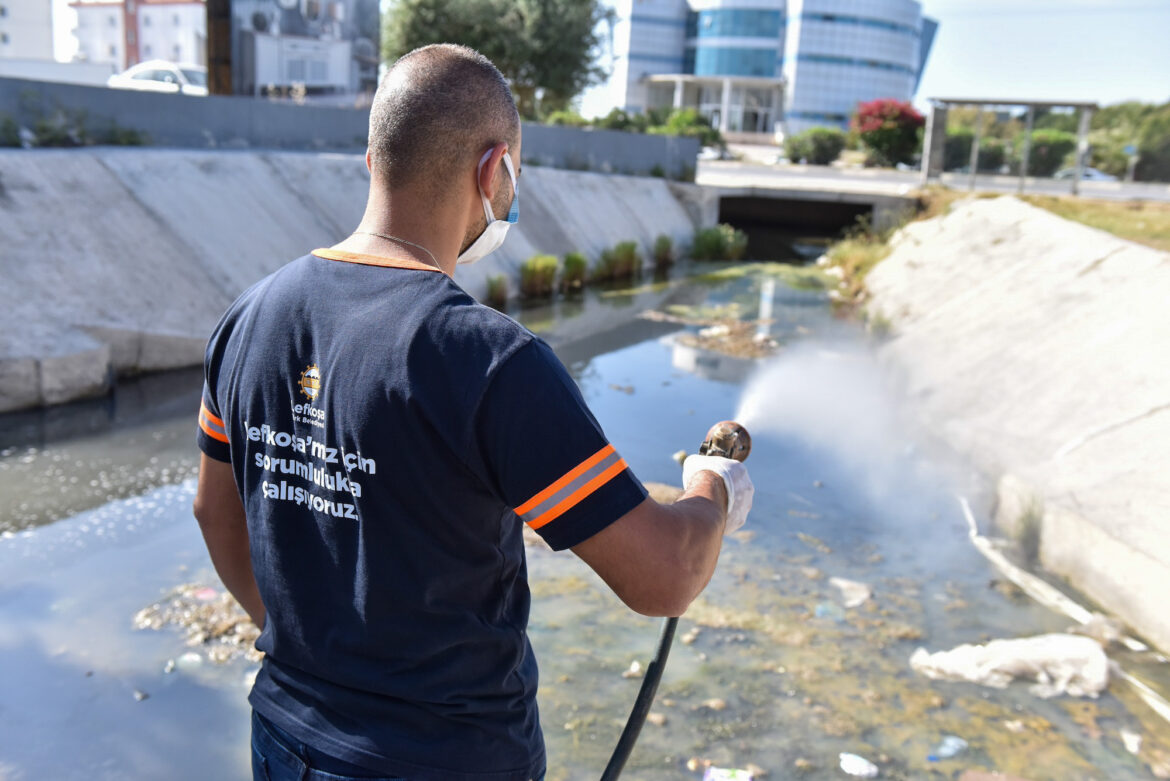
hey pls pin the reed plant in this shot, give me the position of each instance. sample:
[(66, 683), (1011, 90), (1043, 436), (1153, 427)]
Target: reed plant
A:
[(573, 273), (538, 276)]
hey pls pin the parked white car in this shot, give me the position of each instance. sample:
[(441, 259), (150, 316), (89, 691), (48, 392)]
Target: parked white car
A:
[(162, 76), (1090, 175)]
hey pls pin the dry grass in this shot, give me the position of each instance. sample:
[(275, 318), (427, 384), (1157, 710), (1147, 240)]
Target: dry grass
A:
[(1143, 222)]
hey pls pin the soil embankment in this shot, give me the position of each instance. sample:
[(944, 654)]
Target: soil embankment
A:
[(120, 261), (1039, 347)]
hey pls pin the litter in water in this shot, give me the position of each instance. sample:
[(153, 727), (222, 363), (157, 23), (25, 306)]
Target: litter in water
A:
[(1059, 663), (852, 592), (829, 610), (1132, 741), (860, 767), (950, 746), (726, 774), (635, 670)]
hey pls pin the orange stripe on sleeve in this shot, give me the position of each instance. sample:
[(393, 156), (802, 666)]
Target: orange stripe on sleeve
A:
[(569, 477), (212, 432), (212, 418), (578, 496)]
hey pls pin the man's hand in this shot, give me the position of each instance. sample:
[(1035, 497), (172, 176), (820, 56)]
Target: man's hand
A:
[(657, 558), (738, 485), (225, 530)]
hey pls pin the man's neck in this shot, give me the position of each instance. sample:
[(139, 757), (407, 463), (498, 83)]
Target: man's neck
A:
[(404, 225)]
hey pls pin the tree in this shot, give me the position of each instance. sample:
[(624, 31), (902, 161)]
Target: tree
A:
[(889, 129), (545, 48)]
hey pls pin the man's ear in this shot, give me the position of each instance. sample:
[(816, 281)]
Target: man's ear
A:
[(369, 162), (488, 174)]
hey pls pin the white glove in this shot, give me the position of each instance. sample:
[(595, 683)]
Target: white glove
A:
[(735, 479)]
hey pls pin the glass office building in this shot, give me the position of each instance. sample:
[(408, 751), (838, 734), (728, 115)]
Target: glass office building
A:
[(756, 67)]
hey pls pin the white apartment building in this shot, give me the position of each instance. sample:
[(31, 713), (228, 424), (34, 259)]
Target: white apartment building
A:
[(26, 30), (126, 32), (757, 68)]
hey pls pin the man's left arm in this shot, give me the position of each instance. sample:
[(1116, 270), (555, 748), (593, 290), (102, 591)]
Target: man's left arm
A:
[(225, 530)]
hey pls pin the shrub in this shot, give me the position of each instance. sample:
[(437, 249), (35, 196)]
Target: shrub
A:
[(957, 149), (722, 242), (663, 251), (817, 145), (1154, 147), (1049, 150), (9, 131), (497, 292), (689, 123), (538, 275), (621, 262), (889, 129), (566, 118), (992, 154), (573, 277), (658, 171)]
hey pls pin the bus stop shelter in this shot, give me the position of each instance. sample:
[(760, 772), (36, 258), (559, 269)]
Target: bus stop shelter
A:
[(936, 134)]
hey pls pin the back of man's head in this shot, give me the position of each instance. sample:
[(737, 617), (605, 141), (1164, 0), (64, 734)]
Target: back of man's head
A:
[(437, 110)]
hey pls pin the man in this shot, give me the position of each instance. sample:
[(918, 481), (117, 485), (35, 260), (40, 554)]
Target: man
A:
[(373, 438)]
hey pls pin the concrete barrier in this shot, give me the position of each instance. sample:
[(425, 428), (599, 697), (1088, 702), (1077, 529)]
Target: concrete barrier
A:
[(241, 122), (1037, 346), (121, 260)]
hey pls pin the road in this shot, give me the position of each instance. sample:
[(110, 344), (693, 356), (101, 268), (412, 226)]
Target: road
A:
[(727, 173)]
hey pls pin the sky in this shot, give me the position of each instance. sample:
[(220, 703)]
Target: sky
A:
[(1106, 51), (1084, 50)]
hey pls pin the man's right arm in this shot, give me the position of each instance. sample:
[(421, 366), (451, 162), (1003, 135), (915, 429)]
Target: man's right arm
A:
[(657, 558)]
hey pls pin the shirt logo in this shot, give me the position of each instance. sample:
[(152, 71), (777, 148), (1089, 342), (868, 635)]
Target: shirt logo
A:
[(310, 382)]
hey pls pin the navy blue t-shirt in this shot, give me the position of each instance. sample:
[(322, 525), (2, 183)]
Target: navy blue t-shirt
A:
[(388, 434)]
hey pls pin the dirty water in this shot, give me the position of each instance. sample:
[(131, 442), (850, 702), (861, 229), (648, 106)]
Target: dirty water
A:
[(772, 670)]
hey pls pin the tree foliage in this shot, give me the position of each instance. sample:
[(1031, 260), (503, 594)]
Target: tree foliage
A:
[(1050, 149), (545, 48), (891, 130), (1154, 146), (817, 145)]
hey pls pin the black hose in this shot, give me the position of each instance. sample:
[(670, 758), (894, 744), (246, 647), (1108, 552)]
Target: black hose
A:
[(641, 708)]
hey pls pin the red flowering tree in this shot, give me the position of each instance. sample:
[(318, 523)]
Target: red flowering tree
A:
[(889, 129)]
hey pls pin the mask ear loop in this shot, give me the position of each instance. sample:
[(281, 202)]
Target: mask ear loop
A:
[(487, 206)]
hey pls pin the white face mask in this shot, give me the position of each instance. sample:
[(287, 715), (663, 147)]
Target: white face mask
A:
[(497, 230)]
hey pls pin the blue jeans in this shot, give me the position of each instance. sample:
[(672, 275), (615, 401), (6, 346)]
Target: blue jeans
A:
[(278, 756)]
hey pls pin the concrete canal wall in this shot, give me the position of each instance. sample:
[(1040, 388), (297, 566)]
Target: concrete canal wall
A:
[(118, 261), (1041, 348)]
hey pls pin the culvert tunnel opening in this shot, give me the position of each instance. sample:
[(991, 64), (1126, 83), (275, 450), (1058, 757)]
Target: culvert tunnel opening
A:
[(788, 229)]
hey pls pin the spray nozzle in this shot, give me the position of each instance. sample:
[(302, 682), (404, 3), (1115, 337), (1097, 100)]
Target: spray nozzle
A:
[(727, 439)]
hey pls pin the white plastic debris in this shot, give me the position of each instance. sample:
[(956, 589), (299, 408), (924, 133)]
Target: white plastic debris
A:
[(1059, 663), (852, 592), (950, 746), (859, 767), (634, 671), (1132, 741)]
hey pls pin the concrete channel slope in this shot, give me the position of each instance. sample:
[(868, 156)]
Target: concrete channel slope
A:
[(1041, 348), (118, 261)]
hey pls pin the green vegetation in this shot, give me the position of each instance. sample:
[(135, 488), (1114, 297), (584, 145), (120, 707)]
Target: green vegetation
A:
[(1050, 149), (620, 262), (663, 252), (817, 145), (9, 131), (573, 277), (497, 293), (545, 48), (890, 130), (538, 276), (1143, 126), (722, 242), (1144, 222), (685, 122)]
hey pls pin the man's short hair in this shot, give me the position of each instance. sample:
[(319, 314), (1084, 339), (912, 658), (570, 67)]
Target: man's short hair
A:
[(439, 108)]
